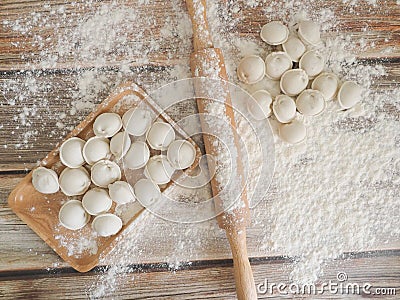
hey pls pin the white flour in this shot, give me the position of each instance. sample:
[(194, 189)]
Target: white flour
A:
[(336, 192)]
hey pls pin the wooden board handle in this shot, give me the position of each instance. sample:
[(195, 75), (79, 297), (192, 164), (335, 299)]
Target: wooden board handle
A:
[(245, 287)]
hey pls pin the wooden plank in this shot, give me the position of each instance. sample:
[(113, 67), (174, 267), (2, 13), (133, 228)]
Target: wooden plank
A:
[(24, 250), (384, 24), (22, 246), (41, 132), (43, 219), (383, 30), (210, 280), (77, 11), (8, 182), (377, 25), (22, 146)]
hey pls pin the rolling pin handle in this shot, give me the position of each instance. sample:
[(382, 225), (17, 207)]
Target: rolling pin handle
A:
[(245, 287)]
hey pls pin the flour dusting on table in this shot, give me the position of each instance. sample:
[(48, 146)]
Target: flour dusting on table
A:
[(334, 193)]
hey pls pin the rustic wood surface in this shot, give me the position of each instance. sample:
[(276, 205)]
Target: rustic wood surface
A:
[(44, 218), (236, 221), (29, 269)]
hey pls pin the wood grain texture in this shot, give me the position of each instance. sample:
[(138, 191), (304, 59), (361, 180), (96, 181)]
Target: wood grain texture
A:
[(75, 11), (21, 156), (211, 281), (22, 146), (236, 220), (40, 212), (383, 24), (383, 30), (24, 257), (25, 251)]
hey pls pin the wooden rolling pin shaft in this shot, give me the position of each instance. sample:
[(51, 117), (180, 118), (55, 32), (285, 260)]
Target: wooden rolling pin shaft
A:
[(207, 61)]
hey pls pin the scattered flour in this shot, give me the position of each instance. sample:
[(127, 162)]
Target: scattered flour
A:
[(328, 196), (356, 2), (77, 245), (336, 192), (108, 44)]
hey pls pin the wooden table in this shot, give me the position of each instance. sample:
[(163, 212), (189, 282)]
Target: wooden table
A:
[(29, 269)]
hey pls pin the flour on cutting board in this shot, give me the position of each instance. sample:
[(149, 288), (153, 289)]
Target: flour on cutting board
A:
[(78, 245), (336, 192)]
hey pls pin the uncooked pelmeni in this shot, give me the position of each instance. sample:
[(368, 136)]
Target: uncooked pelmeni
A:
[(277, 63), (159, 169), (160, 135), (74, 182), (293, 82), (137, 155), (105, 172), (274, 33), (136, 121), (294, 47), (349, 94), (107, 124), (120, 144), (293, 133), (259, 106), (251, 69), (71, 152), (45, 180), (121, 192), (309, 32), (312, 62), (95, 149), (284, 108), (107, 224), (327, 84), (146, 191), (310, 102), (96, 201), (181, 154), (72, 215)]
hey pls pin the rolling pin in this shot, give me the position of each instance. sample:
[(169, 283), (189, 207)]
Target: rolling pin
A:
[(207, 61)]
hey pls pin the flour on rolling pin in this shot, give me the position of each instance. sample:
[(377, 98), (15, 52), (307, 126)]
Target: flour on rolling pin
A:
[(299, 159), (252, 135), (228, 169)]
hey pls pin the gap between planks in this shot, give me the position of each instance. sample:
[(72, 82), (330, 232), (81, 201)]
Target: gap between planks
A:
[(160, 66), (383, 28), (192, 265), (214, 282), (23, 160)]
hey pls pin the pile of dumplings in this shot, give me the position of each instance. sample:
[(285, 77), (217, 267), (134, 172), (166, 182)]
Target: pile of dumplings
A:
[(299, 67), (92, 174)]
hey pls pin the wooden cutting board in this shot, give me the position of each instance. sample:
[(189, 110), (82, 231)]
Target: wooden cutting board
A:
[(82, 248)]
